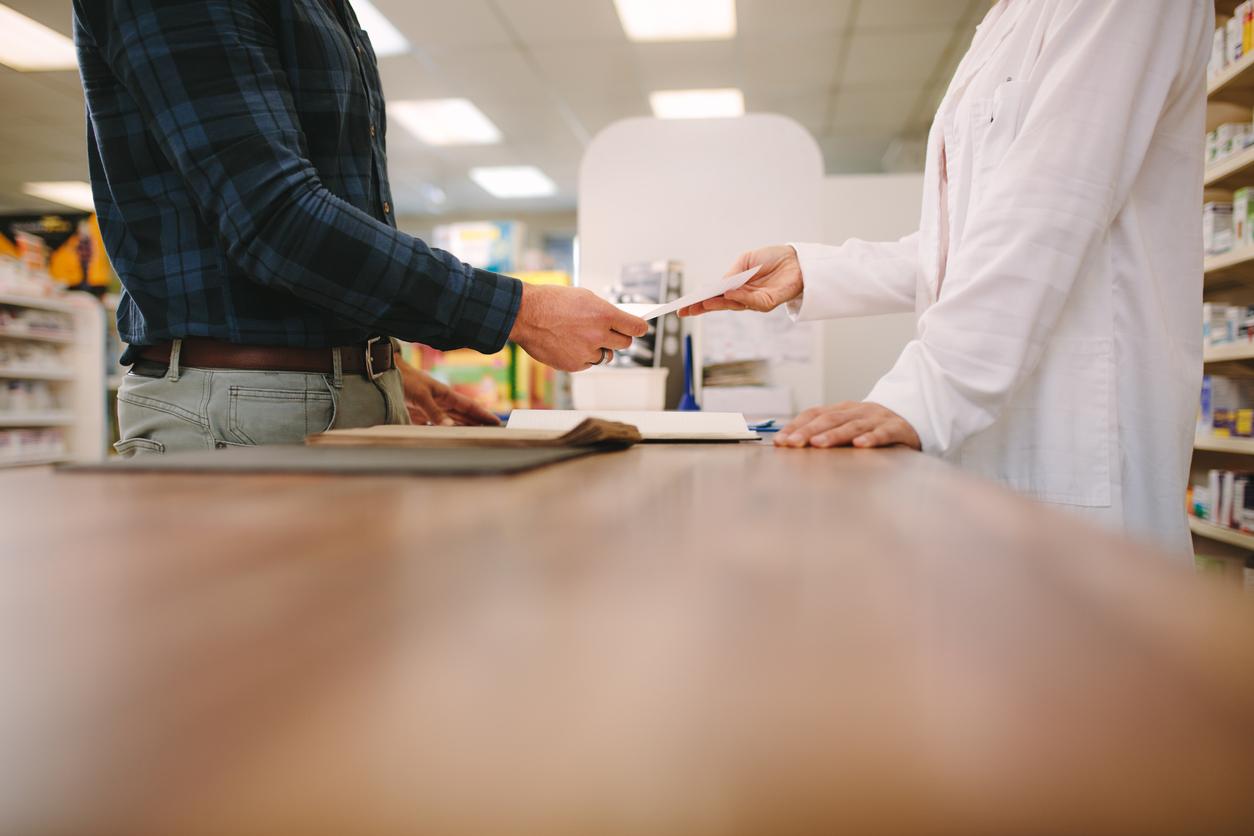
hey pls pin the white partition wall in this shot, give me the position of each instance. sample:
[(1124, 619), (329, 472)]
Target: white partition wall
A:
[(702, 191), (873, 207)]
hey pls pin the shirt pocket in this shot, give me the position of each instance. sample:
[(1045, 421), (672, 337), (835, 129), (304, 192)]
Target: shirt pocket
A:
[(994, 124), (258, 416), (1054, 440)]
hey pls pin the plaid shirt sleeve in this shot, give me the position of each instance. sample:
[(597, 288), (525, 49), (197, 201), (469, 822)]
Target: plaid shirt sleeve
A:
[(206, 76)]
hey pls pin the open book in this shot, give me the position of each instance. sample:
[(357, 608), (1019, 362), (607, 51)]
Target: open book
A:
[(608, 435)]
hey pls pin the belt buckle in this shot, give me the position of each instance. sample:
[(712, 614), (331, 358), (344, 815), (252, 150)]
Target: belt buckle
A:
[(370, 372)]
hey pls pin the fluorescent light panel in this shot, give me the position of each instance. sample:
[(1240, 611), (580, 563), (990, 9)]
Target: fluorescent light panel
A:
[(514, 181), (29, 46), (384, 37), (677, 20), (445, 122), (697, 104), (68, 193)]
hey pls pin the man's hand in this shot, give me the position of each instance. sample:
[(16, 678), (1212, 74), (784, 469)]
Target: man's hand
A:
[(431, 402), (846, 424), (566, 328), (778, 281)]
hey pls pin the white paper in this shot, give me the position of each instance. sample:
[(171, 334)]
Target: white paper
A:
[(707, 291), (653, 426)]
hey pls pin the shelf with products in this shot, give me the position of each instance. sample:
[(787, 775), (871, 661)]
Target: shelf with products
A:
[(1224, 444), (1223, 534), (52, 371), (1229, 352), (1231, 172), (34, 373)]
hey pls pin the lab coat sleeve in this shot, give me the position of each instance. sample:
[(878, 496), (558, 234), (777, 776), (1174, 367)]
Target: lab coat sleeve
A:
[(1094, 100), (858, 278)]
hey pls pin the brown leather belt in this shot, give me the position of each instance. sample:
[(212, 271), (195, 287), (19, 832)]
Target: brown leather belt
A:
[(372, 359)]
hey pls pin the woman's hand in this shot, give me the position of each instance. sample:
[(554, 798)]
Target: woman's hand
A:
[(431, 402), (848, 424), (777, 282)]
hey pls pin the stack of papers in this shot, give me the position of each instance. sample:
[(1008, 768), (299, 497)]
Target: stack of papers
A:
[(653, 426)]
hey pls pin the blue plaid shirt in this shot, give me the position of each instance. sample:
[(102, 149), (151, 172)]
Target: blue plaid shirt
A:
[(240, 175)]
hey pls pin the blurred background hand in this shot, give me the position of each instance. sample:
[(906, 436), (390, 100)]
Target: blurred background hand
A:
[(566, 328), (431, 402), (777, 282)]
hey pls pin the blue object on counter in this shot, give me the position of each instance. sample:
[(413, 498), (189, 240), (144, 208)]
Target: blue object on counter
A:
[(765, 427), (688, 403)]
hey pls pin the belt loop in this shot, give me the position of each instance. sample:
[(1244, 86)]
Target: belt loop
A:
[(172, 373), (337, 368)]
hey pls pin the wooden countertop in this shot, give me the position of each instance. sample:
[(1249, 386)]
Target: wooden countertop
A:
[(672, 639)]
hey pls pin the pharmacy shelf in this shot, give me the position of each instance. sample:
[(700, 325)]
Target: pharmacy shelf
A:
[(1220, 444), (37, 419), (1221, 533), (43, 303), (1229, 353), (1229, 266), (34, 461), (1232, 173), (1235, 83), (19, 373), (36, 336), (1226, 7)]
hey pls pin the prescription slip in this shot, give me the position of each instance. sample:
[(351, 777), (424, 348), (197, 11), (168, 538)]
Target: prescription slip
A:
[(707, 291)]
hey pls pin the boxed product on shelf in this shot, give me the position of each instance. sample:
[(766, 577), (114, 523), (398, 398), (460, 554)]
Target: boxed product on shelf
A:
[(28, 356), (20, 321), (1219, 52), (1226, 324), (1243, 217), (1227, 499), (1227, 407), (1235, 38), (22, 397), (25, 446), (1217, 228)]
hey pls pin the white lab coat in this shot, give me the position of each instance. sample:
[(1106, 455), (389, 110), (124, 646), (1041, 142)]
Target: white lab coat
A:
[(1061, 354)]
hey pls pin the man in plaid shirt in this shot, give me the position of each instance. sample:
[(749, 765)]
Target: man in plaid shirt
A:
[(240, 172)]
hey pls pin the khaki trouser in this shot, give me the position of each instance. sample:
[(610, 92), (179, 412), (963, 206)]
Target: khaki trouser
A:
[(197, 409)]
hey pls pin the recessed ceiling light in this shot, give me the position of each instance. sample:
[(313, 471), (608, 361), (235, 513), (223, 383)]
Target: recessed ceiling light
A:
[(697, 104), (514, 181), (29, 46), (677, 20), (67, 193), (384, 37), (445, 122)]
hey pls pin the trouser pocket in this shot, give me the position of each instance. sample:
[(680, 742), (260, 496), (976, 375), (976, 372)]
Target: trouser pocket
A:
[(257, 415), (133, 447)]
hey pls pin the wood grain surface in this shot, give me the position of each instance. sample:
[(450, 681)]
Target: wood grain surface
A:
[(670, 639)]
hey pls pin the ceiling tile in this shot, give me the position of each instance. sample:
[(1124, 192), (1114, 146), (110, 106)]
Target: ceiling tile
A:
[(897, 14), (673, 66), (792, 18), (809, 61), (873, 106), (586, 73), (880, 57), (547, 22)]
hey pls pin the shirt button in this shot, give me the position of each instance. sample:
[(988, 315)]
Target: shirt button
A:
[(373, 132), (359, 49), (387, 208)]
